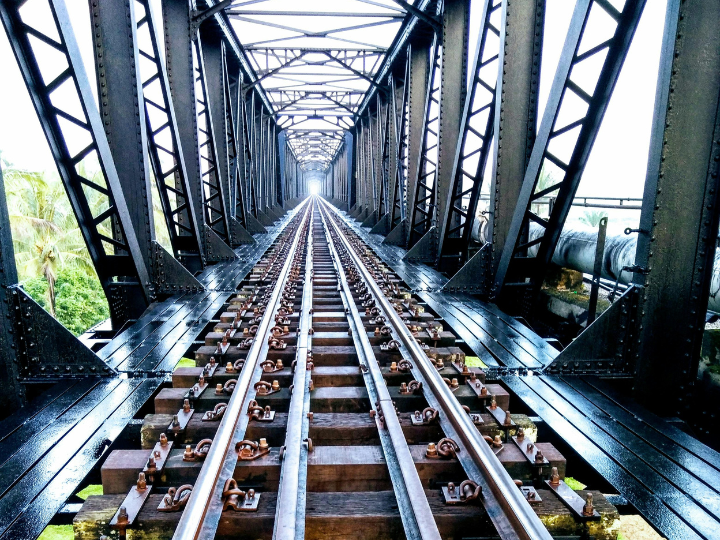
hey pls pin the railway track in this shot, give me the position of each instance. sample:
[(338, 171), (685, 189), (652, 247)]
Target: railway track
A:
[(326, 402)]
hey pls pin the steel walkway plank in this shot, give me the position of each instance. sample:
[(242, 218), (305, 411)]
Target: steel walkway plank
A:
[(673, 512)]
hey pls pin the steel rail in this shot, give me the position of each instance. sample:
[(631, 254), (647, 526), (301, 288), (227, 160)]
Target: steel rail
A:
[(290, 509), (192, 521), (414, 507), (517, 513)]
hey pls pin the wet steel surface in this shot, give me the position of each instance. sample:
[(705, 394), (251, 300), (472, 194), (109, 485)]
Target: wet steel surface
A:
[(51, 445)]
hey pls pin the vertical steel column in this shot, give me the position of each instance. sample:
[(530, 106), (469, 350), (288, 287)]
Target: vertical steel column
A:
[(423, 176), (679, 218), (515, 115), (12, 392), (122, 110), (350, 164), (218, 119), (234, 146), (208, 97), (178, 53), (563, 144), (417, 94), (132, 136), (165, 152), (456, 14), (400, 171), (511, 124)]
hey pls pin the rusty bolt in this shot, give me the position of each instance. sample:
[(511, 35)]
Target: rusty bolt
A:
[(508, 420), (141, 482), (393, 367), (275, 386), (218, 389), (520, 434), (554, 477), (163, 439), (188, 454), (186, 406), (310, 415), (588, 509), (279, 365), (493, 403), (122, 516), (431, 450), (454, 383), (263, 445), (539, 458)]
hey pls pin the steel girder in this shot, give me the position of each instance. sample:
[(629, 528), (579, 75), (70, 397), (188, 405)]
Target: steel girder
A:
[(423, 204), (679, 217), (249, 133), (383, 145), (178, 56), (98, 200), (232, 103), (450, 99), (512, 126), (400, 171), (206, 55), (457, 217), (166, 155), (563, 164), (137, 135)]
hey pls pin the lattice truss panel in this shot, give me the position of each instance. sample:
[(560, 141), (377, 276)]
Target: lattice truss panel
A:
[(316, 60)]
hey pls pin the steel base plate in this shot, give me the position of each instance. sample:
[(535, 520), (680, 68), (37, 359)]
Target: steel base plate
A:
[(572, 500), (529, 450), (133, 503)]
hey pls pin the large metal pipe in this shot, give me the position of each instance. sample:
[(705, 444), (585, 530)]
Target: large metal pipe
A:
[(576, 250)]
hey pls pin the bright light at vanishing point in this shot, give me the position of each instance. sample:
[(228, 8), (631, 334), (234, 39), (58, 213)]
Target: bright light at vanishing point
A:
[(314, 187)]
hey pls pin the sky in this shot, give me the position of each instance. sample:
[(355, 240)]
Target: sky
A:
[(616, 167)]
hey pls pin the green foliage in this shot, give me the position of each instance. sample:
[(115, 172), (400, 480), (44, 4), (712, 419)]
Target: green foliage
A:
[(186, 362), (574, 484), (52, 260), (79, 299), (592, 218), (92, 489), (57, 532), (474, 361)]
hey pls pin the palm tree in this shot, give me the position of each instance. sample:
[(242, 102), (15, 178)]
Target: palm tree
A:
[(46, 236)]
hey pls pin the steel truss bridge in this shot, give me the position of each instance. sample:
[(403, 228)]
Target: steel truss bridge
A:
[(320, 172)]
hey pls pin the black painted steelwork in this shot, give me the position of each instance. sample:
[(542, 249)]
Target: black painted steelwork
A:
[(400, 117), (679, 218), (473, 148), (423, 205), (216, 214), (107, 230), (166, 154), (518, 271)]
